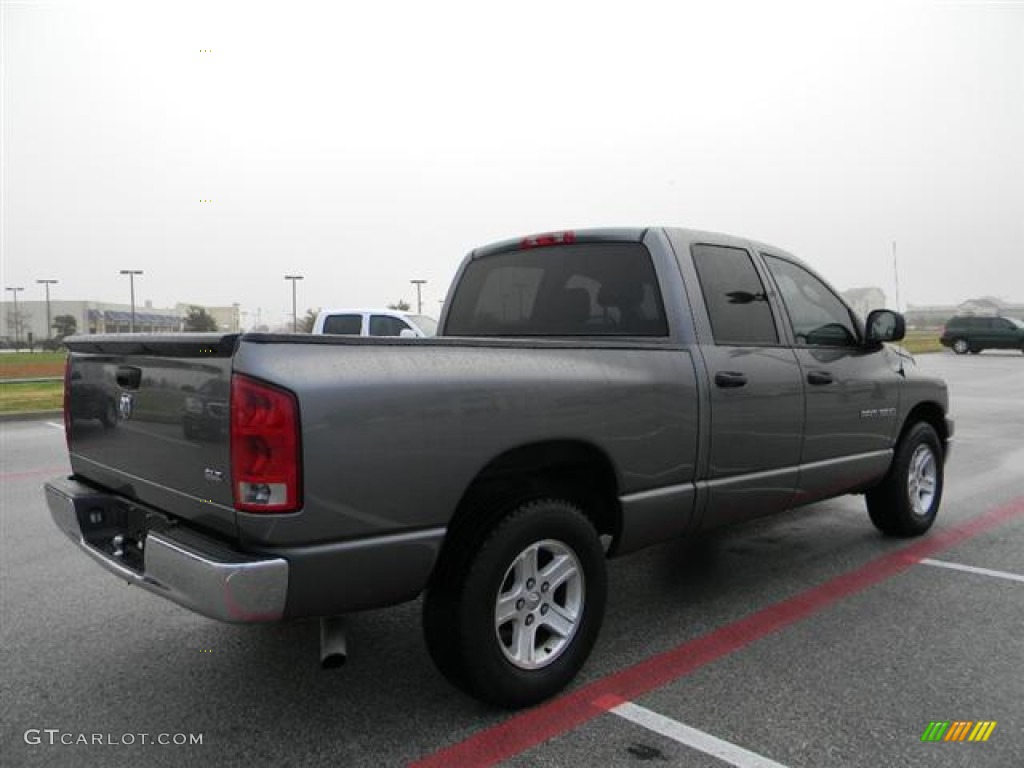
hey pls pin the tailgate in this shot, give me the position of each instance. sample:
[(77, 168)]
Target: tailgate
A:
[(149, 420)]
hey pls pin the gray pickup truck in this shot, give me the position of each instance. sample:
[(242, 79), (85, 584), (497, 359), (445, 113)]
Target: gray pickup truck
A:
[(590, 393)]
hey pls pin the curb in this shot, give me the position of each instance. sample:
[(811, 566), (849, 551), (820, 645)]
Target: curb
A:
[(31, 415)]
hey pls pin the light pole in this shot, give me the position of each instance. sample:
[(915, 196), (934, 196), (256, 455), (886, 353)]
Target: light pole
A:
[(419, 296), (131, 280), (17, 318), (294, 279), (46, 284)]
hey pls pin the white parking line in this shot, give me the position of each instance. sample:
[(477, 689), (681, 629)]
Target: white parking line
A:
[(55, 425), (972, 569), (691, 737)]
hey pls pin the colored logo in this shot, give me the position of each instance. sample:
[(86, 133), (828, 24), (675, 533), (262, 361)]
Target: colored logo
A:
[(958, 730)]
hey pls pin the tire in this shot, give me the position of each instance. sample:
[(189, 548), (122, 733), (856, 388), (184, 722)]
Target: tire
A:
[(960, 346), (503, 568), (906, 502)]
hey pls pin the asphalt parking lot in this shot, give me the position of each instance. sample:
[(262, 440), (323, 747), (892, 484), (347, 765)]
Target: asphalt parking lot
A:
[(802, 640)]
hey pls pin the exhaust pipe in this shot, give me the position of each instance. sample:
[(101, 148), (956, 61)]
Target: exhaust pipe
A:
[(333, 650)]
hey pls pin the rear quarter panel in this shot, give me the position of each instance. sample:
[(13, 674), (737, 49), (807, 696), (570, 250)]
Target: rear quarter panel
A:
[(395, 431)]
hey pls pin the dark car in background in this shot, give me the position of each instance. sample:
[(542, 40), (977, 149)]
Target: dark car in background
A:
[(974, 334), (205, 411), (92, 396)]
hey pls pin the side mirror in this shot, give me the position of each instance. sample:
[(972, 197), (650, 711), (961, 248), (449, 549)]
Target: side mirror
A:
[(885, 325), (408, 333)]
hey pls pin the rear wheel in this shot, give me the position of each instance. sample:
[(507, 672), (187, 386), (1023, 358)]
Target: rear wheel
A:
[(514, 614), (906, 502), (961, 347)]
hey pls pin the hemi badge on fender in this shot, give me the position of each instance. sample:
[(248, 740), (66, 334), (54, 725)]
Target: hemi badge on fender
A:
[(214, 475), (877, 413)]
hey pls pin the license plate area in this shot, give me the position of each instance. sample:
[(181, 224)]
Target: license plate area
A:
[(118, 529)]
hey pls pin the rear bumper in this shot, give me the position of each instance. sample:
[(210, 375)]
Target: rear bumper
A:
[(192, 570), (151, 550)]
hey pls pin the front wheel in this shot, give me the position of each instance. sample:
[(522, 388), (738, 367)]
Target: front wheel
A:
[(515, 621), (961, 347), (906, 502)]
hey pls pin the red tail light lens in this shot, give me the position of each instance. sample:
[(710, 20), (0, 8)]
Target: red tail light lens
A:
[(551, 238), (265, 445), (67, 401)]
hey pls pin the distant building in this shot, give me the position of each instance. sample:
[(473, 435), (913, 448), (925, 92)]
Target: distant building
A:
[(90, 317), (986, 306), (102, 317), (863, 300)]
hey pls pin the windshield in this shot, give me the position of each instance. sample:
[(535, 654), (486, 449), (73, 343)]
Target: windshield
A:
[(426, 324), (1016, 322)]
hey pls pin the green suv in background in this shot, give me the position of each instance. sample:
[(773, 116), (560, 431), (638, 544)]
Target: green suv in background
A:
[(973, 334)]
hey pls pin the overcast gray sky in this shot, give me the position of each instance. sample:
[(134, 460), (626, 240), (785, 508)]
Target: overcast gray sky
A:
[(366, 144)]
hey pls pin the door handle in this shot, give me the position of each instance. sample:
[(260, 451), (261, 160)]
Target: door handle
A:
[(819, 377), (730, 379)]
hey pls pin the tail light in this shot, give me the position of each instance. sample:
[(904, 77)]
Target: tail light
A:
[(67, 401), (552, 238), (265, 445)]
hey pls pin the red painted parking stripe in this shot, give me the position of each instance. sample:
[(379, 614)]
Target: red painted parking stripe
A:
[(537, 725)]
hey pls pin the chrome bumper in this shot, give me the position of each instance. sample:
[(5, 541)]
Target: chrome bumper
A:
[(179, 564)]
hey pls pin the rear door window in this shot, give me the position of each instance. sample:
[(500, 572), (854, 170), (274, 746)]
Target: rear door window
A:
[(735, 297), (344, 325), (584, 289)]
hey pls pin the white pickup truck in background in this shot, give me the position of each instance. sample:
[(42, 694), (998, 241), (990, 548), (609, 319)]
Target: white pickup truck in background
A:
[(374, 322)]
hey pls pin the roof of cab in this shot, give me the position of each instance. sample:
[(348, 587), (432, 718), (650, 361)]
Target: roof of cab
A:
[(563, 237), (622, 234)]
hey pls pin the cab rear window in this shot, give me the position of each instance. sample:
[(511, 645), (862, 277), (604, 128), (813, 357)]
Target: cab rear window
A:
[(585, 289)]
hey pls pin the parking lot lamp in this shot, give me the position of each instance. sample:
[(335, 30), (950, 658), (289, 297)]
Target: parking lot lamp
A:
[(46, 284), (131, 280), (419, 297), (294, 279), (17, 318)]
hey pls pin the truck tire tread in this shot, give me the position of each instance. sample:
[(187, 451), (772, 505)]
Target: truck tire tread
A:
[(458, 608), (889, 503)]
